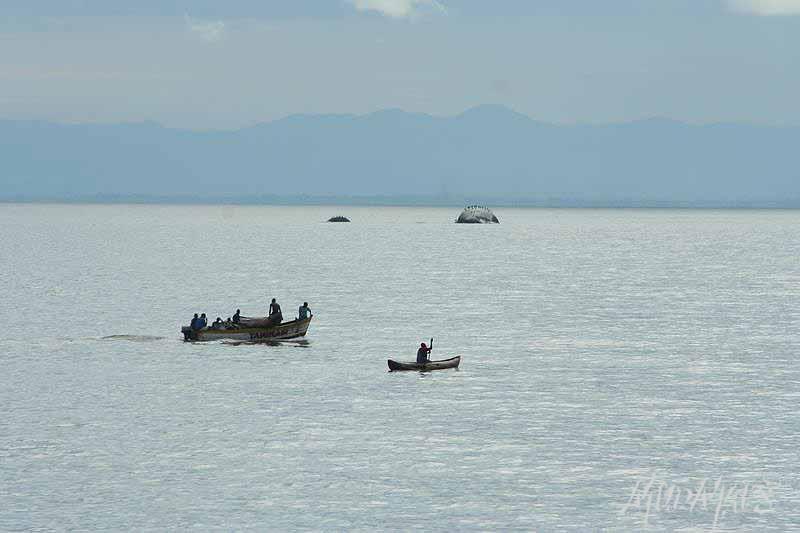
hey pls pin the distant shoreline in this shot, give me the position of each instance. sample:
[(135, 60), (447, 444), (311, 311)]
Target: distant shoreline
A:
[(406, 201)]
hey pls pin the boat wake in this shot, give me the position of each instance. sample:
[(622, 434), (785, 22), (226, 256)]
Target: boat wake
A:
[(132, 338)]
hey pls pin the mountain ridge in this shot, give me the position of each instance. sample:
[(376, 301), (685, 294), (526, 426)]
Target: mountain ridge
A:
[(488, 151)]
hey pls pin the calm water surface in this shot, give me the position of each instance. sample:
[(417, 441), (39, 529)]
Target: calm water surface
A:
[(601, 349)]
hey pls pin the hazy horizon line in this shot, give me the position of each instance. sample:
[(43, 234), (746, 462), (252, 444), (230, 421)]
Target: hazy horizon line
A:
[(500, 108), (454, 201)]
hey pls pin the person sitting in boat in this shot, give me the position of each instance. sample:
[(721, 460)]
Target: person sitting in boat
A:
[(422, 354), (304, 311), (235, 317), (203, 321), (275, 315), (195, 323), (217, 324)]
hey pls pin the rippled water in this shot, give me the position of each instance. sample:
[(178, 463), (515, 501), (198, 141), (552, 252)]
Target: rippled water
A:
[(601, 348)]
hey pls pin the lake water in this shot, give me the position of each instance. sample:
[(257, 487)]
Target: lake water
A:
[(602, 349)]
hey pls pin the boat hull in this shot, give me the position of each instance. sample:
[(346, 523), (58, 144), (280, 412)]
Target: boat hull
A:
[(287, 330), (453, 362)]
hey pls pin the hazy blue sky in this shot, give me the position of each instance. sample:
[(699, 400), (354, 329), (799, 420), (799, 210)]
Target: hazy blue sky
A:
[(222, 64)]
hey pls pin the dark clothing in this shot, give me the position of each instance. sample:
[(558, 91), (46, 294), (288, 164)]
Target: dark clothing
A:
[(201, 322), (275, 315), (304, 312), (422, 355), (236, 318), (195, 324)]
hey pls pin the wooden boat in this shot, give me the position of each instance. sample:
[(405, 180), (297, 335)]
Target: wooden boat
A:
[(247, 333), (453, 362)]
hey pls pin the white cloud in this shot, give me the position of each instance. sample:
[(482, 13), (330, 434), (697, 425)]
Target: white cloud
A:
[(208, 30), (397, 8), (766, 7)]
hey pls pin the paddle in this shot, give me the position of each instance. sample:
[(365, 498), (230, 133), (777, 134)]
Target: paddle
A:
[(430, 348)]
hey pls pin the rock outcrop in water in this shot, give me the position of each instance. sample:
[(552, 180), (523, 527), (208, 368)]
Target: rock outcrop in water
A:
[(339, 219), (476, 214)]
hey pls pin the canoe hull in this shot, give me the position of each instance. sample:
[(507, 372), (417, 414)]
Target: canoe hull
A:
[(453, 362), (288, 330)]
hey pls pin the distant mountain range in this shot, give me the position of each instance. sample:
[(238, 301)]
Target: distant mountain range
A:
[(488, 154)]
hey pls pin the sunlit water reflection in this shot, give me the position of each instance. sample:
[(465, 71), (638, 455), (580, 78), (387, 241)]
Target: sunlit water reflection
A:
[(600, 348)]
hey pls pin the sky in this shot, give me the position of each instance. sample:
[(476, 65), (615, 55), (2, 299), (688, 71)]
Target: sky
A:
[(211, 64)]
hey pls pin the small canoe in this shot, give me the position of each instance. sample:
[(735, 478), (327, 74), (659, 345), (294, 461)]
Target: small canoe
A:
[(453, 362)]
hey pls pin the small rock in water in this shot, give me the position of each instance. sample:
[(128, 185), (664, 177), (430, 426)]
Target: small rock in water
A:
[(339, 219), (477, 214)]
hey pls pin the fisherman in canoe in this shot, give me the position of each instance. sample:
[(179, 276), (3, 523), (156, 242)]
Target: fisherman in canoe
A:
[(424, 364), (422, 354), (304, 311)]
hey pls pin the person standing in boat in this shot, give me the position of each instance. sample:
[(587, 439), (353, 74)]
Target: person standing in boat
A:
[(304, 311), (195, 323), (275, 315), (422, 354)]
